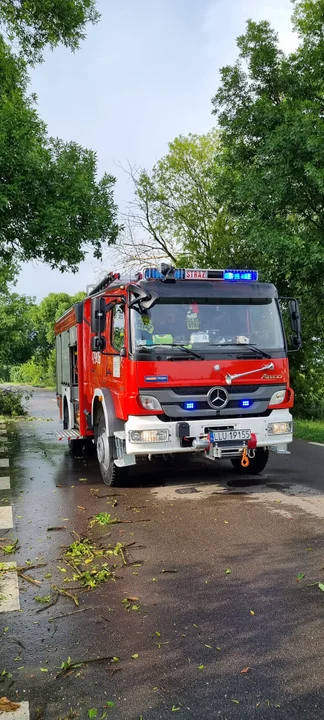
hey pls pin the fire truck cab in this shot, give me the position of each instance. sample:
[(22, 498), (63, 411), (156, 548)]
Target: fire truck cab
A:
[(177, 362)]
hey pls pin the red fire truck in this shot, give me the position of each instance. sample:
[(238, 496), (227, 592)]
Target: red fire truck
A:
[(177, 361)]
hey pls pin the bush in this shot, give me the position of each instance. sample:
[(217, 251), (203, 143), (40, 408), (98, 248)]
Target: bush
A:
[(35, 372), (11, 402), (309, 393)]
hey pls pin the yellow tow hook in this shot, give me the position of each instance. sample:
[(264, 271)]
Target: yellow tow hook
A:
[(245, 462)]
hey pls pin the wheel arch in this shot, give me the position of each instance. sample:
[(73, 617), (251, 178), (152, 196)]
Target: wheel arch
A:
[(102, 402)]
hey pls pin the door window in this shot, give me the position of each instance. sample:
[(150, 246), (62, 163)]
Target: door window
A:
[(118, 327)]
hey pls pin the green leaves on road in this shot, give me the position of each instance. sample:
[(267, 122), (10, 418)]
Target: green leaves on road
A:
[(8, 549), (300, 576), (102, 518)]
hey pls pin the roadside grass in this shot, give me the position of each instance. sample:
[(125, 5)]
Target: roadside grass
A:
[(311, 430), (26, 385)]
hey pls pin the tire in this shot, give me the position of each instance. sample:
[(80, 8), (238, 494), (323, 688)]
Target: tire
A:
[(256, 465), (65, 416), (110, 473), (80, 447)]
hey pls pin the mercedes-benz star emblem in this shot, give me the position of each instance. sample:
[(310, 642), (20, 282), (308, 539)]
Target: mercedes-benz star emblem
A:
[(217, 398)]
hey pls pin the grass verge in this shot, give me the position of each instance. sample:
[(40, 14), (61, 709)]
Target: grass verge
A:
[(311, 430)]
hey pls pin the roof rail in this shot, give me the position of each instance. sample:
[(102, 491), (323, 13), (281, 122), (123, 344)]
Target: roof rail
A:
[(110, 278)]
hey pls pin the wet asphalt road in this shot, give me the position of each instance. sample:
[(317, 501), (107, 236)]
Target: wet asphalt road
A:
[(195, 626)]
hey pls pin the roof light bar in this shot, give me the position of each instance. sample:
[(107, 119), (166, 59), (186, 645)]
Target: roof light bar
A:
[(200, 274)]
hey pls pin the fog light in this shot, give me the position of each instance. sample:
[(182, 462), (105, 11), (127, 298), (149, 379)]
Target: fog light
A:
[(149, 402), (278, 397), (148, 436), (279, 428)]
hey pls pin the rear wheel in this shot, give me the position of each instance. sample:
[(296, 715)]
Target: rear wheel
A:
[(256, 464), (110, 473)]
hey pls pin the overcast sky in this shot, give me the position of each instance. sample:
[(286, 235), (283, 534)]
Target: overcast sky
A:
[(145, 74)]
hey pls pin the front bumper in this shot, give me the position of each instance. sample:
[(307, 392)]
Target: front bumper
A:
[(257, 425)]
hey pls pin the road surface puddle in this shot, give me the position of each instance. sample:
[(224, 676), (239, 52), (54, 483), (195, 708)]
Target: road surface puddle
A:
[(280, 498)]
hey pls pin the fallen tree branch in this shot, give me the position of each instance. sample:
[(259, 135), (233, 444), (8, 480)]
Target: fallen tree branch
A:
[(51, 529), (22, 568), (29, 579), (58, 617), (122, 522), (67, 594), (80, 663)]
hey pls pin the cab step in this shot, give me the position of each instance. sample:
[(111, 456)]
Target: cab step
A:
[(68, 434)]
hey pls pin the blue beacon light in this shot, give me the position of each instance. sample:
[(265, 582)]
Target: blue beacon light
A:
[(189, 405), (239, 275), (246, 403)]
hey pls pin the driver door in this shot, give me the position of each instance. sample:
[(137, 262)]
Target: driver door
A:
[(116, 367)]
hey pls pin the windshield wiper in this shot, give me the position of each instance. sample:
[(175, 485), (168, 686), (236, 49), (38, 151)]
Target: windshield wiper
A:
[(250, 346), (256, 350), (172, 345)]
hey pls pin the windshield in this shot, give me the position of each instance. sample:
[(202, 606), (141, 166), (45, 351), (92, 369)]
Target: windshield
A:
[(204, 324)]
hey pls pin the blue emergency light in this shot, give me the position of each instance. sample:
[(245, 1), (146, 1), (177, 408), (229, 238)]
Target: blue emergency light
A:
[(241, 275), (246, 403), (201, 274), (189, 405)]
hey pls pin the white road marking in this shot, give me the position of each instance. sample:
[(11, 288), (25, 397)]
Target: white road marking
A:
[(316, 443), (9, 593), (4, 483), (4, 462), (22, 713), (6, 521)]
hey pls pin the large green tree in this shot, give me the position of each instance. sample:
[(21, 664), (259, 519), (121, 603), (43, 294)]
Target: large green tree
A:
[(177, 213), (44, 317), (36, 23), (270, 112), (17, 329), (27, 341), (52, 205)]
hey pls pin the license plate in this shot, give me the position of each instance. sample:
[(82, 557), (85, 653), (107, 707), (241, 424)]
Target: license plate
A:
[(225, 435)]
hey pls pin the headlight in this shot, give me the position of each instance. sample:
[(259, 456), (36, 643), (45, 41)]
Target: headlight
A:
[(278, 397), (280, 428), (149, 402), (148, 436)]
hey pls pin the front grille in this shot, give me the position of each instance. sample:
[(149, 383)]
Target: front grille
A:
[(204, 389)]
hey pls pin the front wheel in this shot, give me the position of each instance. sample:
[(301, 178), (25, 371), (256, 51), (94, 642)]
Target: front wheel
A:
[(110, 473), (256, 464)]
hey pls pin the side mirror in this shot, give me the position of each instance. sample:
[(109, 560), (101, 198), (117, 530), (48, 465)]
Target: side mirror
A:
[(294, 316), (98, 315), (123, 352), (296, 342), (98, 343), (295, 323), (141, 298)]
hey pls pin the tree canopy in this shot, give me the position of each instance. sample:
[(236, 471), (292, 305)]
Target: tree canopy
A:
[(27, 338), (37, 23), (270, 112), (17, 331), (177, 211), (52, 206)]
